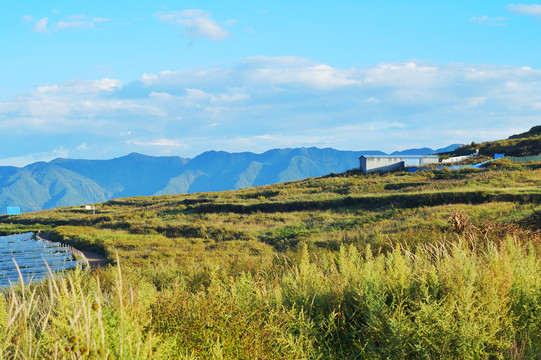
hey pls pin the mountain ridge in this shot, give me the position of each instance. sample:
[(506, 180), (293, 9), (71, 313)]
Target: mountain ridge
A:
[(66, 182)]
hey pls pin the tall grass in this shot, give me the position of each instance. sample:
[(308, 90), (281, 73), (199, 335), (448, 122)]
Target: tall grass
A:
[(73, 317), (446, 301), (462, 298)]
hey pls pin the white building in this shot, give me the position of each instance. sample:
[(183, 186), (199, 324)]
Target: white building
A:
[(382, 163), (456, 159)]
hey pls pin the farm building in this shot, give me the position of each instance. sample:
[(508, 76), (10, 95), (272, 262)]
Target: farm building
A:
[(372, 163)]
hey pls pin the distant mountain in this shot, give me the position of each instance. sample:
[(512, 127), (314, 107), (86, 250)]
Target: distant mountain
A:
[(427, 151), (451, 147), (64, 182), (45, 185), (131, 175), (219, 170)]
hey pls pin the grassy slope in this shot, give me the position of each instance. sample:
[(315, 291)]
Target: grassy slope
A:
[(525, 144), (348, 265), (279, 216)]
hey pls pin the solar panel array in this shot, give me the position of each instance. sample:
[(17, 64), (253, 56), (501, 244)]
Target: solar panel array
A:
[(32, 257)]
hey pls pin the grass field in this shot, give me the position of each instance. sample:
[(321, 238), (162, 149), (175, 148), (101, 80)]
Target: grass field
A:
[(430, 265)]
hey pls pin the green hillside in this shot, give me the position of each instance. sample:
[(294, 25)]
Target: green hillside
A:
[(524, 144), (534, 131), (426, 265)]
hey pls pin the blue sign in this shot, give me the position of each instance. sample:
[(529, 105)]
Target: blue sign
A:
[(499, 156), (14, 210)]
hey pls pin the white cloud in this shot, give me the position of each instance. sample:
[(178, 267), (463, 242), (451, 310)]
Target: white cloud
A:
[(83, 146), (384, 125), (284, 101), (188, 77), (20, 161), (62, 25), (69, 22), (70, 106), (78, 22), (487, 20), (81, 86), (526, 9), (196, 23), (277, 61), (404, 75), (158, 142), (41, 25), (76, 17), (320, 76), (282, 70), (197, 98)]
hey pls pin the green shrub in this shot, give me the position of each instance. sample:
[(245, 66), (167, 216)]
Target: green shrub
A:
[(447, 302)]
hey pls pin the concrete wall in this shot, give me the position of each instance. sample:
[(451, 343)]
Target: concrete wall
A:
[(372, 164), (369, 165), (420, 161), (427, 160)]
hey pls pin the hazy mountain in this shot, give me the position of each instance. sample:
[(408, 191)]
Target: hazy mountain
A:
[(45, 185), (427, 151), (131, 175), (219, 170), (447, 148), (64, 182)]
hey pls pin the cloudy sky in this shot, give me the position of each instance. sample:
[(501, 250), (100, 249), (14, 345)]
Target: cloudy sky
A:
[(100, 79)]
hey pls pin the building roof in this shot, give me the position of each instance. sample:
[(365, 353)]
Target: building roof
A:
[(400, 156)]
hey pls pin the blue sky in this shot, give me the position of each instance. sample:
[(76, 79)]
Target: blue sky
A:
[(100, 79)]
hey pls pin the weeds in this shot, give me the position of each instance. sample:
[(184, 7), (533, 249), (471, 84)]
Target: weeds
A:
[(387, 266)]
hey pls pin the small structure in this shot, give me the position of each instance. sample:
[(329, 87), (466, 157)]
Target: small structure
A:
[(384, 163), (91, 207), (456, 159)]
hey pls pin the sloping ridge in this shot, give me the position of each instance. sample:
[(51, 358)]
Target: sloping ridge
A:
[(219, 170), (131, 175), (45, 185), (67, 182)]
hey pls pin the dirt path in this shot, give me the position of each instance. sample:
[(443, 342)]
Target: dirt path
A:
[(95, 260)]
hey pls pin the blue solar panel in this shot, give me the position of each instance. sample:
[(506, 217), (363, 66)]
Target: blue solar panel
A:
[(32, 257)]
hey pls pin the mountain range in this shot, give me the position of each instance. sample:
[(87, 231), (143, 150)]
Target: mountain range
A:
[(68, 182)]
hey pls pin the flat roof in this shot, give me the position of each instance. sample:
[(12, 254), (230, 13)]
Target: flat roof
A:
[(400, 156)]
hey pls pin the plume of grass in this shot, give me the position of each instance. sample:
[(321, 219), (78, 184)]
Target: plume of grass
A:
[(69, 316)]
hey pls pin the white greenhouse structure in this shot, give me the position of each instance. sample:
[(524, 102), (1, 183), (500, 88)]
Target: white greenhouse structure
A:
[(383, 163)]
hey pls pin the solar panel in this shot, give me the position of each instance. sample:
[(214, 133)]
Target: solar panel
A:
[(32, 257)]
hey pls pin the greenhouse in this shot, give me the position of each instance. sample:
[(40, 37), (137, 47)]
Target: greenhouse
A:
[(32, 257)]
